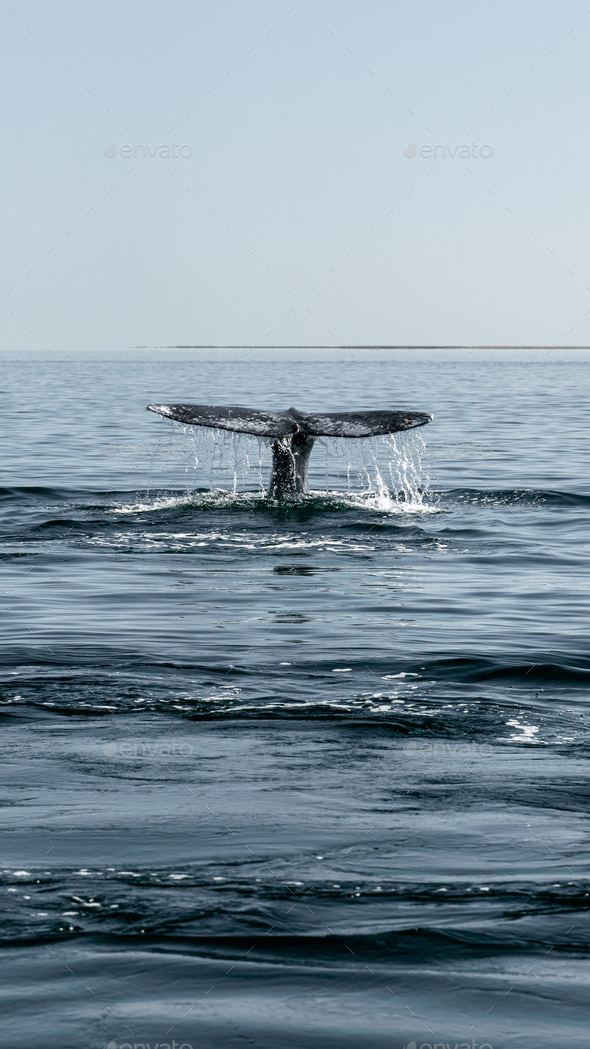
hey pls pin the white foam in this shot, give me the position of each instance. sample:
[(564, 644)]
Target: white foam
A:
[(382, 502), (390, 677), (528, 732)]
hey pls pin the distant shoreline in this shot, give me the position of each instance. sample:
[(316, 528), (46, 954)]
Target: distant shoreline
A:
[(352, 347)]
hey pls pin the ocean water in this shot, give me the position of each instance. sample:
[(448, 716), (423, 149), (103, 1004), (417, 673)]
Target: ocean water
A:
[(298, 775)]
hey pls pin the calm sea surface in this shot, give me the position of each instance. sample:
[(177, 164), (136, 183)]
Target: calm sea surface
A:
[(298, 776)]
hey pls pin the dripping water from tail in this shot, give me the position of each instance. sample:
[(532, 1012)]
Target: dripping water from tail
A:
[(387, 472)]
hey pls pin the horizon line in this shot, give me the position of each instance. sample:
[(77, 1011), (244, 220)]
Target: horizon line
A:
[(353, 347)]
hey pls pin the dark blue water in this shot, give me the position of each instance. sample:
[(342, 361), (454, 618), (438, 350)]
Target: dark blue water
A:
[(296, 775)]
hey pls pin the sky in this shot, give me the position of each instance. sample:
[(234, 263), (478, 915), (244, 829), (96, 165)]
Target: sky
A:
[(262, 173)]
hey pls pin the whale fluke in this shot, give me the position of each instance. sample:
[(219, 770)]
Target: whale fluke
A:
[(282, 424), (294, 432), (359, 424), (241, 420)]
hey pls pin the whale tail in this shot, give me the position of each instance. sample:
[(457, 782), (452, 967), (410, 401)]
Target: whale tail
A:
[(283, 424), (294, 432)]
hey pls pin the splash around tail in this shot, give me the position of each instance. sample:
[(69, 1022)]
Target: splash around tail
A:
[(294, 433)]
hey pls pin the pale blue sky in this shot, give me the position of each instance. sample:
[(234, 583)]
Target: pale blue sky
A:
[(298, 151)]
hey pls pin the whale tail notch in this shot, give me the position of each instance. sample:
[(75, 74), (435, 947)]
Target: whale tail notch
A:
[(293, 432)]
